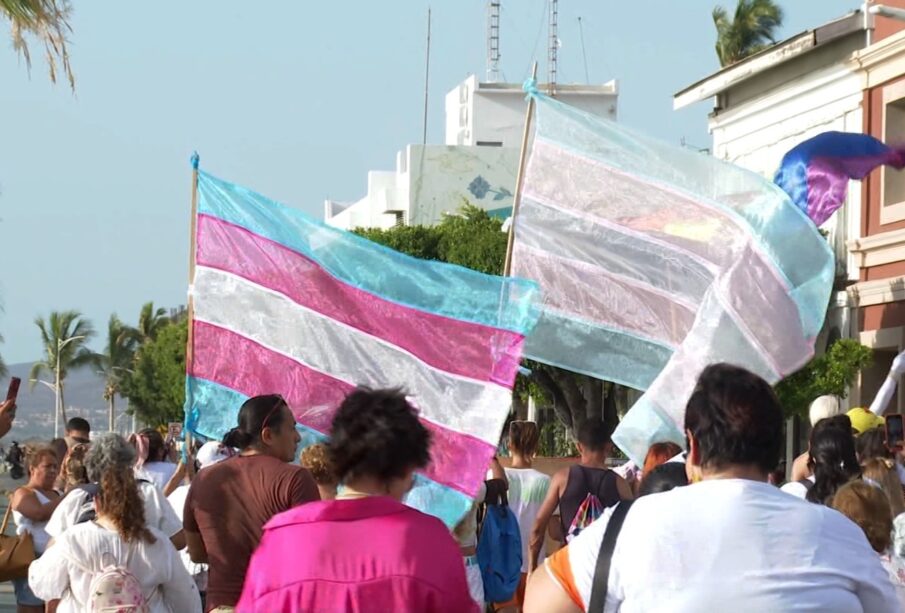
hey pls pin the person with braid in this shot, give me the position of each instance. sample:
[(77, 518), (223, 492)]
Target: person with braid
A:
[(116, 558)]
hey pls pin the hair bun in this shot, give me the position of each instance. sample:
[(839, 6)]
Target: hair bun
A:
[(238, 438)]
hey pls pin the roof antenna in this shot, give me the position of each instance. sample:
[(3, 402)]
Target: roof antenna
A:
[(427, 74), (553, 49), (584, 52), (493, 41)]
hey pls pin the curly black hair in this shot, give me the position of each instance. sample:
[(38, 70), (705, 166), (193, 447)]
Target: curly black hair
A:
[(377, 433)]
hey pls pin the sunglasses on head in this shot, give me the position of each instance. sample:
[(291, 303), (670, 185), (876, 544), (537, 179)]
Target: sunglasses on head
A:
[(276, 407)]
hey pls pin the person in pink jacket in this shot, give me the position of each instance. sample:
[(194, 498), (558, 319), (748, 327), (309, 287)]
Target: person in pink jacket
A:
[(365, 551)]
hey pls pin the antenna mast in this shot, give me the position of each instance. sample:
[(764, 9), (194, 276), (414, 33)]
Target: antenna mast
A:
[(493, 41), (427, 74), (554, 47)]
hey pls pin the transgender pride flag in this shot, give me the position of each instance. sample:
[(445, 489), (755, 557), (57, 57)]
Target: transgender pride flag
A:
[(286, 304), (656, 261)]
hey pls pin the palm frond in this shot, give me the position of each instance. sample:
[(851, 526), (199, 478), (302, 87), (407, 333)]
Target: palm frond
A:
[(37, 369), (752, 28), (48, 22)]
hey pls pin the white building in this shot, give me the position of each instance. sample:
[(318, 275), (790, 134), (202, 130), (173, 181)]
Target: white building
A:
[(818, 81), (771, 101), (477, 165)]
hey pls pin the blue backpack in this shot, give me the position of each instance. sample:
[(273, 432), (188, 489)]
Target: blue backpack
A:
[(500, 551)]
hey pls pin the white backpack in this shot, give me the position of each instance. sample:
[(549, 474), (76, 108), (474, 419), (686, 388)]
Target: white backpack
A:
[(115, 590)]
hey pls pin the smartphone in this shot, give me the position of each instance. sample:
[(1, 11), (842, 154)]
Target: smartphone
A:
[(895, 430), (13, 392)]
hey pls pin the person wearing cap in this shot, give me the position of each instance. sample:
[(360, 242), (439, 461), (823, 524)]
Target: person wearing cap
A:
[(209, 454), (864, 419)]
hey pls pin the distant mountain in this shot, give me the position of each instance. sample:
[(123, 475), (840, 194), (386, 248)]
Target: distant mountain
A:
[(84, 396)]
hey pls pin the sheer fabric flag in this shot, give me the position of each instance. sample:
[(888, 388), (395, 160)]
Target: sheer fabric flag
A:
[(816, 172), (655, 261), (286, 304)]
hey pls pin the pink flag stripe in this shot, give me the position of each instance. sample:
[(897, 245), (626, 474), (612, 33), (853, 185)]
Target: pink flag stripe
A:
[(458, 460), (594, 294), (635, 203), (452, 345), (752, 286), (765, 313)]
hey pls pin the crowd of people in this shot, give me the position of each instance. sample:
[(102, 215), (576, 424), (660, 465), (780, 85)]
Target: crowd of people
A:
[(247, 524)]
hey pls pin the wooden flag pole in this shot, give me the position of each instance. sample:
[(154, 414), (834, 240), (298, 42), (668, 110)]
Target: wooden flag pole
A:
[(520, 178), (190, 346), (190, 341)]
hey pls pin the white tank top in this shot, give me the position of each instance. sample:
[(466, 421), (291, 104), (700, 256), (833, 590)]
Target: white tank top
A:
[(35, 528)]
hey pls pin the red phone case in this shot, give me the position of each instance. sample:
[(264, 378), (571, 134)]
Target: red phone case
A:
[(13, 390)]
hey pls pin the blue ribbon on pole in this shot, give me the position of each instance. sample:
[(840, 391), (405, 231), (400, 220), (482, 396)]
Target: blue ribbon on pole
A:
[(530, 87), (195, 159)]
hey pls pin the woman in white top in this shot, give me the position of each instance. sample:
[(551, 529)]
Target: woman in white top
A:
[(151, 463), (212, 452), (109, 450), (32, 505), (527, 490), (76, 569)]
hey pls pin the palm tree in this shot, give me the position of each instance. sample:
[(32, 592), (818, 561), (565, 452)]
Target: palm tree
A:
[(46, 20), (150, 322), (751, 30), (64, 336), (115, 362)]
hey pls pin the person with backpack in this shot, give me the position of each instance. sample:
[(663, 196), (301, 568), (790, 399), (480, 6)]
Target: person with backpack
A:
[(116, 562), (729, 542), (106, 451), (581, 491), (366, 551), (466, 531), (528, 488)]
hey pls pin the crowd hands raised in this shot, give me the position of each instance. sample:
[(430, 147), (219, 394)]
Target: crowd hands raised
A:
[(238, 524)]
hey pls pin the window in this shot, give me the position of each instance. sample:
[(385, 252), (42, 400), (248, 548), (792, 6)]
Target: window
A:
[(489, 143), (892, 193)]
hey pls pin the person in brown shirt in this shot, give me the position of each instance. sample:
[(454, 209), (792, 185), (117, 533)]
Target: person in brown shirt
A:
[(229, 503)]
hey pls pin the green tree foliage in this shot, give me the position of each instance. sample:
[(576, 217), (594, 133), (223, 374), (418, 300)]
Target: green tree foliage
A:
[(150, 322), (555, 441), (831, 373), (418, 241), (472, 239), (752, 29), (156, 386)]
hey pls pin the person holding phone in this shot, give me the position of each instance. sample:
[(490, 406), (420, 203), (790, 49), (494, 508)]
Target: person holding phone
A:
[(7, 415), (8, 407)]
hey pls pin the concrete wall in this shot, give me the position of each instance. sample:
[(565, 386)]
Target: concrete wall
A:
[(495, 112), (442, 179), (432, 181)]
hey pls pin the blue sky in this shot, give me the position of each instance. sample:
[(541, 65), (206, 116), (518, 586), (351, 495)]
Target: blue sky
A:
[(298, 102)]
